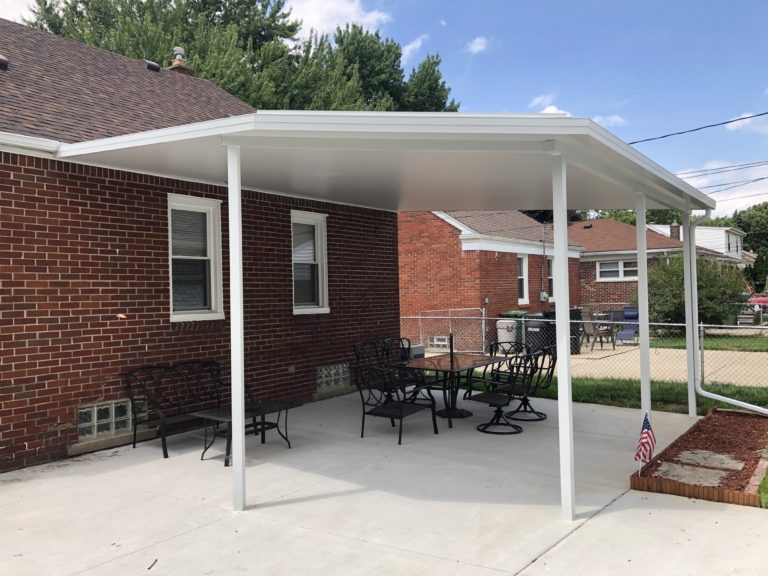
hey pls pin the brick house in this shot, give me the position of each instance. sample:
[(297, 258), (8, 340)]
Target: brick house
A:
[(483, 262), (103, 270), (608, 266)]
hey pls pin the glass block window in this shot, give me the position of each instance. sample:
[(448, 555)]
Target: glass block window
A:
[(335, 376), (103, 420)]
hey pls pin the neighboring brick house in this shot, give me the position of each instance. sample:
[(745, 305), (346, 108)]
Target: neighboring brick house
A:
[(488, 261), (88, 285), (608, 269)]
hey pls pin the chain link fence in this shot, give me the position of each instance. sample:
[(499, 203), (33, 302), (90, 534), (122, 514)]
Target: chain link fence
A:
[(607, 347)]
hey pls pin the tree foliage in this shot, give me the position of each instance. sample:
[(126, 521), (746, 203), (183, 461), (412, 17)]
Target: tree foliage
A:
[(251, 49), (656, 216), (720, 287)]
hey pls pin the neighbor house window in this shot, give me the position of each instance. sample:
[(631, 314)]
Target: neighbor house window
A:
[(617, 270), (522, 279), (195, 247), (550, 283), (310, 267)]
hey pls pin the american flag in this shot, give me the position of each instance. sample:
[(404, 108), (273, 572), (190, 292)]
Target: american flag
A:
[(647, 442)]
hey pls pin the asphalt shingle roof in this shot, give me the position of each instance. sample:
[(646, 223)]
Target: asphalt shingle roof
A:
[(605, 235), (63, 90)]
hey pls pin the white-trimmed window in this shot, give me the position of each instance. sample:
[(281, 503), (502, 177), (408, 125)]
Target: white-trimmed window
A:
[(310, 264), (194, 234), (617, 270), (550, 280), (522, 279)]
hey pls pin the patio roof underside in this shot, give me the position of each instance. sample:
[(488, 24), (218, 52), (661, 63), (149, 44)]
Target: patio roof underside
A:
[(404, 162)]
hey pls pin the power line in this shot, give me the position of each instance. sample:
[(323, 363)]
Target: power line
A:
[(720, 170), (742, 197), (729, 183), (699, 128), (739, 185)]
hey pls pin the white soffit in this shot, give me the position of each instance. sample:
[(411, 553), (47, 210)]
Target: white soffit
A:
[(404, 161)]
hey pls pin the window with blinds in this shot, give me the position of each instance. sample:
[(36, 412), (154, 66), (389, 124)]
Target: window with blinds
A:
[(195, 254), (522, 279), (310, 285)]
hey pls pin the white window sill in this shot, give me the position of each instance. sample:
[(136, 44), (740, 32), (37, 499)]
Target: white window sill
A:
[(196, 316), (631, 279), (523, 302), (311, 310)]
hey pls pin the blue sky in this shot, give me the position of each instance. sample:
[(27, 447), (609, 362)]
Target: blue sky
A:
[(640, 68)]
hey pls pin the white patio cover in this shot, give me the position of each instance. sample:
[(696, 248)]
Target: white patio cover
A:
[(414, 161)]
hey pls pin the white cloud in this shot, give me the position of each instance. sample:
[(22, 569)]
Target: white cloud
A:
[(325, 15), (477, 45), (552, 109), (443, 23), (15, 9), (542, 100), (412, 47), (612, 120), (758, 125)]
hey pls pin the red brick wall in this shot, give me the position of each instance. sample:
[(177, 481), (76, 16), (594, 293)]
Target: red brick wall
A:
[(603, 296), (435, 274), (79, 245)]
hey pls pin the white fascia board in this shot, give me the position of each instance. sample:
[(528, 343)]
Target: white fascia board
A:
[(21, 142), (219, 127), (463, 228), (484, 243), (608, 139), (623, 254)]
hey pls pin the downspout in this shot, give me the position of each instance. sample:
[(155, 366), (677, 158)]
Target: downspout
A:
[(698, 380)]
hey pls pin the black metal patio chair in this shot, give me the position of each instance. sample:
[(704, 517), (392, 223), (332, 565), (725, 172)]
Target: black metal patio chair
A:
[(383, 394), (544, 369), (500, 384)]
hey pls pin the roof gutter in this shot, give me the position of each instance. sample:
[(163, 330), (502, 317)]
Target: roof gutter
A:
[(31, 143)]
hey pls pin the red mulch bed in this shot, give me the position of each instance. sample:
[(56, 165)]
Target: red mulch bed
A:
[(740, 435)]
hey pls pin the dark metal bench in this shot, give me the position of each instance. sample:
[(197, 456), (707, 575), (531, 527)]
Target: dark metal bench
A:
[(166, 396)]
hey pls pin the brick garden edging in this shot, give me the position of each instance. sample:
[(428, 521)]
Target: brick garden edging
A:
[(676, 488)]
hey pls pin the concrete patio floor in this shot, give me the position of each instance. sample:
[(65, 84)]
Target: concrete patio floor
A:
[(459, 503)]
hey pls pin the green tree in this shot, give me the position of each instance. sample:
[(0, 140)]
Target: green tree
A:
[(426, 90), (250, 49), (656, 216), (720, 287), (376, 62), (758, 272), (754, 221)]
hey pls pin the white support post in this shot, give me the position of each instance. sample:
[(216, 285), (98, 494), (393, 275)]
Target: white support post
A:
[(563, 328), (237, 339), (642, 304), (691, 310)]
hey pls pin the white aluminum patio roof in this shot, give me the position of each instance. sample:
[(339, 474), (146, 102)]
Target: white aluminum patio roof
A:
[(404, 161)]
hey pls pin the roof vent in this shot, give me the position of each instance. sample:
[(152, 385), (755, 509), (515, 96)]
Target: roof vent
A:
[(3, 62), (154, 66), (179, 63)]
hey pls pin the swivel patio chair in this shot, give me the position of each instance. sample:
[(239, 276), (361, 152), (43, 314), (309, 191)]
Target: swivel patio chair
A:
[(545, 361), (383, 394), (503, 383)]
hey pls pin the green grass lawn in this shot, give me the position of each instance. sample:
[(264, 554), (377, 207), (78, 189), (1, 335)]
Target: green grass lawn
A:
[(751, 343), (665, 396)]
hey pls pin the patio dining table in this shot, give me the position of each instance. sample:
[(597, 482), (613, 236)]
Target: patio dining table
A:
[(452, 367)]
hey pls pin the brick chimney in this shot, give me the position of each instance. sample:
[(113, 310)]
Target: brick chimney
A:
[(179, 63), (674, 230)]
